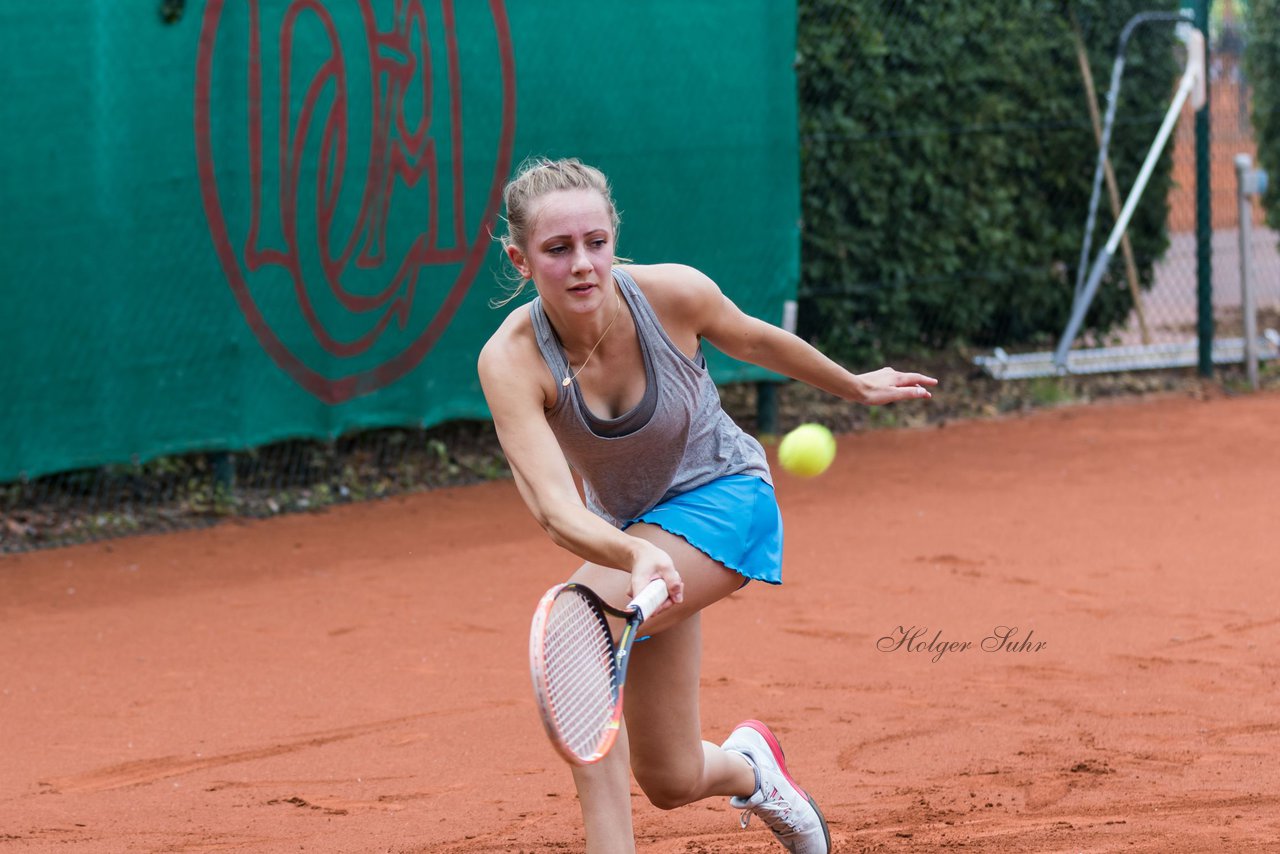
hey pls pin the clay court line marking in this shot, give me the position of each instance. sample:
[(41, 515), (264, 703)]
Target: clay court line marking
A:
[(1236, 628), (1048, 819), (1229, 628), (145, 771), (338, 806), (1221, 734)]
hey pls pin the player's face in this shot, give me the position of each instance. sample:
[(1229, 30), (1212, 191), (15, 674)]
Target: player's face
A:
[(569, 252)]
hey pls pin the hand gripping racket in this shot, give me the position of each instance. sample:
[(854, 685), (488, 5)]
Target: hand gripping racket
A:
[(578, 671)]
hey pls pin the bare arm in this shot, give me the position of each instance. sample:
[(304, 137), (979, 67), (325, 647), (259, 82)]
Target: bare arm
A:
[(717, 319), (515, 396)]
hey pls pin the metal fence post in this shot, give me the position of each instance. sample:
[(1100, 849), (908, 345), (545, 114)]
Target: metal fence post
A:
[(767, 390), (1204, 211), (1249, 182)]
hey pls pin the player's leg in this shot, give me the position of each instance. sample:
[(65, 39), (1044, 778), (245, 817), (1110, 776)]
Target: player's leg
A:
[(672, 763), (604, 795), (687, 769), (670, 760)]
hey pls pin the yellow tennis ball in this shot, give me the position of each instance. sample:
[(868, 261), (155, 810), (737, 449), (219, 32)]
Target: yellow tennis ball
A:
[(808, 450)]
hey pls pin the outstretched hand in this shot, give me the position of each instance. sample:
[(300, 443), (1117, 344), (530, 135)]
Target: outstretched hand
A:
[(889, 386)]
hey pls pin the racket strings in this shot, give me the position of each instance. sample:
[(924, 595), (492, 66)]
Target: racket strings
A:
[(580, 673)]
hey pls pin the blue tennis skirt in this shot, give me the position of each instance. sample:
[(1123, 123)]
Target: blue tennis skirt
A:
[(733, 520)]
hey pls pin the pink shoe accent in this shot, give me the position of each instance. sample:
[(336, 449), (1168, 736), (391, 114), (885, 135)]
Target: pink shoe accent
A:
[(778, 755)]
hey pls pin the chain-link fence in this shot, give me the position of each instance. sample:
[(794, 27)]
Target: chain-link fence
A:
[(948, 159), (1234, 115), (947, 155)]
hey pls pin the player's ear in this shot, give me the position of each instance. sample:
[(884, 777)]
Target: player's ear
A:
[(519, 261)]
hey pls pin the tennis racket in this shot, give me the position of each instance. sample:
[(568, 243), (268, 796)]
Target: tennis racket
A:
[(578, 671)]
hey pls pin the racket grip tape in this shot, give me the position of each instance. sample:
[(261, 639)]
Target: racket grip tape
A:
[(650, 598)]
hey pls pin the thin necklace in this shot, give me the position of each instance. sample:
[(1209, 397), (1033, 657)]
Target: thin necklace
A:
[(565, 382)]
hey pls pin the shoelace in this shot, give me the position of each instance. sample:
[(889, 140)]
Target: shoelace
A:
[(773, 812)]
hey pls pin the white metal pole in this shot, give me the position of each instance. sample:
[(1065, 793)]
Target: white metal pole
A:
[(1244, 168), (1081, 306)]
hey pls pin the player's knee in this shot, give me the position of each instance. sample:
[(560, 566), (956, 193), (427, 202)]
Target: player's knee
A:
[(668, 793), (669, 799)]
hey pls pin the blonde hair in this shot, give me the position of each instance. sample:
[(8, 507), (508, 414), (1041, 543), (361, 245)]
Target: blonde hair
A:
[(535, 178)]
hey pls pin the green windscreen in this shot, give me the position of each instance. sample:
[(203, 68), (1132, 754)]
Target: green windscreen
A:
[(268, 220)]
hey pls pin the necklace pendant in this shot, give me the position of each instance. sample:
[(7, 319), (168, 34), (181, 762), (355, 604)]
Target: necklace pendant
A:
[(616, 311)]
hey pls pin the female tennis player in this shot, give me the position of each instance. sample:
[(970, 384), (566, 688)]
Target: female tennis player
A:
[(603, 373)]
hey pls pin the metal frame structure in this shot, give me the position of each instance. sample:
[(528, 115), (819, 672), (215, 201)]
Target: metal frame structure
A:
[(1064, 359)]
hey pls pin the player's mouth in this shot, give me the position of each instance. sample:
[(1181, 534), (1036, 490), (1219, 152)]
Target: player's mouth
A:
[(582, 288)]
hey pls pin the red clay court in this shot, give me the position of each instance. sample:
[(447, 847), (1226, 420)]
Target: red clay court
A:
[(356, 680)]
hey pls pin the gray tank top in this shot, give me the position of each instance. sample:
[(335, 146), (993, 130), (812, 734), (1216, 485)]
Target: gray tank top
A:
[(676, 439)]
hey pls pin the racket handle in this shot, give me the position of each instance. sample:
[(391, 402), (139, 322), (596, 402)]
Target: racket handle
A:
[(652, 596)]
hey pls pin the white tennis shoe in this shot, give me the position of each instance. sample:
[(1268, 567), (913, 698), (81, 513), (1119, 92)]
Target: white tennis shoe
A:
[(781, 804)]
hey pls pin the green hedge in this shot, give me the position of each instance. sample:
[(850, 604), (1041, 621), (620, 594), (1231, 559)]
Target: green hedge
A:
[(947, 157), (1262, 64)]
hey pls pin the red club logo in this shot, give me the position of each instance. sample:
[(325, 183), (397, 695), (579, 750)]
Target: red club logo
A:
[(349, 188)]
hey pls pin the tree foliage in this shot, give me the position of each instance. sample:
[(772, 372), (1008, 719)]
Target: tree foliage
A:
[(947, 156), (1262, 64)]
